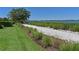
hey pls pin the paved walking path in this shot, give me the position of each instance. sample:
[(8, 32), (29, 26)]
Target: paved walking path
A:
[(61, 34)]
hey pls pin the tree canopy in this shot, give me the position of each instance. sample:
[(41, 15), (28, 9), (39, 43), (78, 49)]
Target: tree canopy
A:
[(19, 14)]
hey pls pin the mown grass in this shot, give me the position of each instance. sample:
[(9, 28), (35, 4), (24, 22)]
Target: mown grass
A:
[(15, 39)]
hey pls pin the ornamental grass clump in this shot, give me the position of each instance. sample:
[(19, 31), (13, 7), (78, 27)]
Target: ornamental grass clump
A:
[(69, 47), (46, 41), (37, 35)]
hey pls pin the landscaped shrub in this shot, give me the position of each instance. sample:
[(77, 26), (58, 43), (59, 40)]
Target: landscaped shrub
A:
[(1, 27), (7, 24), (69, 46), (29, 30), (36, 35), (46, 41)]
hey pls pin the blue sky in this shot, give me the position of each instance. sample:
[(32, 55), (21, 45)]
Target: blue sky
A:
[(47, 13)]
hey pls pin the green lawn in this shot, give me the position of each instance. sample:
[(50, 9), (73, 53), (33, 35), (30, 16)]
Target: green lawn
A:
[(15, 39)]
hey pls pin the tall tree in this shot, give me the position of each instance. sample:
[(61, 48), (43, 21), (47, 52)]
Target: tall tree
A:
[(19, 15)]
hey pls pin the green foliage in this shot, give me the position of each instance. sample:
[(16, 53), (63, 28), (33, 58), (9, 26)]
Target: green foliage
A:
[(69, 46), (36, 35), (29, 30), (58, 25), (1, 27), (15, 39), (74, 28), (19, 14), (5, 22), (46, 41)]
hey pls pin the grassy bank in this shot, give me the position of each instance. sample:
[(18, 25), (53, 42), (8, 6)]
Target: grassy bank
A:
[(58, 25), (19, 38), (15, 39)]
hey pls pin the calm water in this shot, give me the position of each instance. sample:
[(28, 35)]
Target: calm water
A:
[(67, 21), (64, 21)]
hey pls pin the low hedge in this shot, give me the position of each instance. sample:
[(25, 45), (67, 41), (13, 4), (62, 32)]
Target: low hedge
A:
[(6, 24), (46, 41), (1, 27)]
